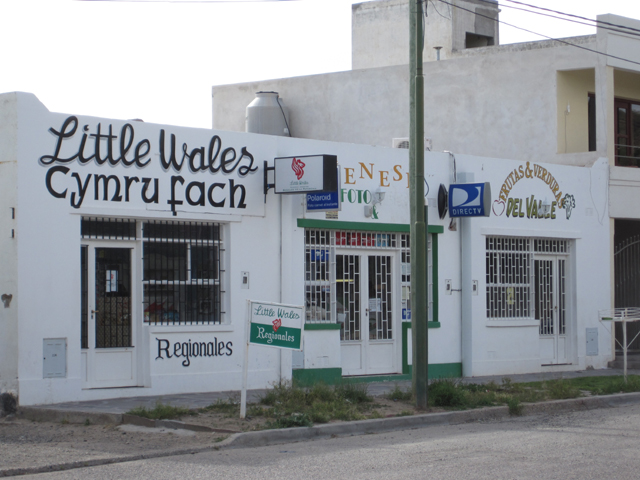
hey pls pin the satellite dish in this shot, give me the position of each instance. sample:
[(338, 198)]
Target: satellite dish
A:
[(443, 201)]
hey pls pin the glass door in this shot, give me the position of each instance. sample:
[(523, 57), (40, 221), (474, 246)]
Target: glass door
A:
[(364, 298), (108, 312), (550, 308)]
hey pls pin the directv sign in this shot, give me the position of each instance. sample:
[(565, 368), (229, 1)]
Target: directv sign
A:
[(469, 200)]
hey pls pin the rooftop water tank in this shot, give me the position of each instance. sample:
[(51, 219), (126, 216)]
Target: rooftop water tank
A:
[(267, 114)]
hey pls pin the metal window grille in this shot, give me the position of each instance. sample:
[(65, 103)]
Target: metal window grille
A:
[(627, 285), (319, 275), (321, 302), (355, 239), (84, 297), (113, 297), (562, 302), (108, 228), (182, 272), (348, 296), (521, 286), (544, 295), (380, 307), (508, 277), (546, 245), (405, 246)]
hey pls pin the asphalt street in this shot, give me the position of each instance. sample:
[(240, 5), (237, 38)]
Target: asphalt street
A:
[(594, 444)]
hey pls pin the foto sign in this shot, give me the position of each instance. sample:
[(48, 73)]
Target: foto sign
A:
[(469, 200), (306, 174), (276, 325)]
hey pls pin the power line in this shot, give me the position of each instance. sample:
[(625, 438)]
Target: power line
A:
[(594, 23), (571, 15), (541, 35)]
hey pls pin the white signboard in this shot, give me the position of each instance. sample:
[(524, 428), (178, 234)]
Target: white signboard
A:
[(299, 174)]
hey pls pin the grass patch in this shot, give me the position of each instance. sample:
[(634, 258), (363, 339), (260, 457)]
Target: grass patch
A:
[(292, 406), (160, 412), (561, 389), (446, 392), (399, 395), (515, 407), (229, 407)]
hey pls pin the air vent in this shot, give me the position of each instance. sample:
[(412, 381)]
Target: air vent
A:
[(404, 143)]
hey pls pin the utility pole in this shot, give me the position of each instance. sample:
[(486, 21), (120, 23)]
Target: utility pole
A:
[(419, 284)]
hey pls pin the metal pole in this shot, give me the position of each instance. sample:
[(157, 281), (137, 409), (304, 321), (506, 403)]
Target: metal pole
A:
[(419, 294), (624, 346)]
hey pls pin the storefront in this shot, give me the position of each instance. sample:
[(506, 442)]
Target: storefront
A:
[(131, 249)]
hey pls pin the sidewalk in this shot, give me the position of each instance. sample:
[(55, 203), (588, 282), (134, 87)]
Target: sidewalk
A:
[(81, 434), (111, 411)]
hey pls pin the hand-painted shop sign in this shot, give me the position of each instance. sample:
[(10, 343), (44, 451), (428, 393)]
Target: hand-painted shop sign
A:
[(469, 200), (306, 174), (530, 206), (196, 349), (107, 149), (276, 325)]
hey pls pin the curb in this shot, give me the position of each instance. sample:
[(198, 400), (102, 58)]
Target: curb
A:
[(299, 434), (43, 414), (364, 427), (171, 424)]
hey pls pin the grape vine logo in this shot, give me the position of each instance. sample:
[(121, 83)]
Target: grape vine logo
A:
[(298, 167)]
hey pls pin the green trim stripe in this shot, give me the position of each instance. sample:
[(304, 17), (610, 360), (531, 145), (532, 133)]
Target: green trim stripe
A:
[(434, 271), (322, 326), (310, 376), (406, 368), (365, 227), (333, 376)]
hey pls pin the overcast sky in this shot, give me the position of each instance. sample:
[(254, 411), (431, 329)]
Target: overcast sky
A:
[(158, 60)]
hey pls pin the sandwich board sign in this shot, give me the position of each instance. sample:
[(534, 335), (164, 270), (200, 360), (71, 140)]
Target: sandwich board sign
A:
[(270, 325)]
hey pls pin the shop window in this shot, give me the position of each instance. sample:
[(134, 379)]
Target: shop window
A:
[(318, 276), (514, 271), (508, 276), (182, 273), (405, 244), (321, 268), (627, 133)]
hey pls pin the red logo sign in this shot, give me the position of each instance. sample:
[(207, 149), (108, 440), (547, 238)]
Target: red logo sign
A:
[(298, 168), (276, 324)]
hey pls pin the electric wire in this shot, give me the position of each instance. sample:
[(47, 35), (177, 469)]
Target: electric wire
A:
[(594, 23), (541, 35), (571, 15), (283, 115), (436, 9)]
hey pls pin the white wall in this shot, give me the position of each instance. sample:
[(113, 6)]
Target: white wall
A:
[(495, 102), (264, 240), (8, 243)]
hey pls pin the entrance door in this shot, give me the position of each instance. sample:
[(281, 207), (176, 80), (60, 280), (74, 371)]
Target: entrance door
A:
[(365, 312), (551, 308), (108, 327)]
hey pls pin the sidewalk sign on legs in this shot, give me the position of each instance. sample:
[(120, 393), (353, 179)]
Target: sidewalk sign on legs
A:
[(270, 325)]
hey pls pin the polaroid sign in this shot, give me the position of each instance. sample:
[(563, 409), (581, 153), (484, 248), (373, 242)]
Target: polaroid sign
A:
[(469, 200)]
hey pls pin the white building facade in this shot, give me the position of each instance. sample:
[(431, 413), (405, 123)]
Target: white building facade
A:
[(573, 101), (130, 251)]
